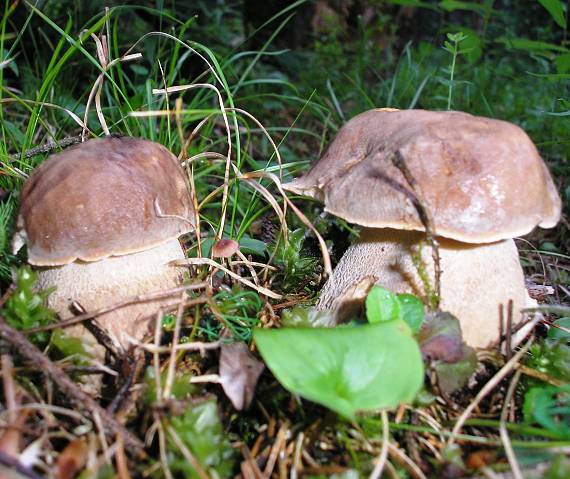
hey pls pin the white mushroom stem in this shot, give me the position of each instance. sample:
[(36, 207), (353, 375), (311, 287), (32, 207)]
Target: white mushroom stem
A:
[(475, 280), (98, 284)]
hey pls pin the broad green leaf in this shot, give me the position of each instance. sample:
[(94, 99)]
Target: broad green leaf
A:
[(382, 305), (556, 11), (412, 310), (306, 317), (347, 369)]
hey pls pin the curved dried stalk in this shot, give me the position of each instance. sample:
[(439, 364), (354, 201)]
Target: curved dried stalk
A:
[(491, 384), (211, 262)]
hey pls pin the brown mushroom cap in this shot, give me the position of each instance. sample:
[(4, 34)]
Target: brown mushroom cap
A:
[(481, 179), (105, 197), (225, 248)]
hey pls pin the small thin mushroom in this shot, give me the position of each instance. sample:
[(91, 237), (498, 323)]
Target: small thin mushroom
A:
[(225, 248), (483, 183), (101, 222)]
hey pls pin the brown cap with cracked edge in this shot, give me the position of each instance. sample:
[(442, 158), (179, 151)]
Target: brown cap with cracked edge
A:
[(105, 197), (481, 179)]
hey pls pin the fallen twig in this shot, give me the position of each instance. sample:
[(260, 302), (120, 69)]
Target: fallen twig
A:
[(425, 217), (68, 387), (64, 323)]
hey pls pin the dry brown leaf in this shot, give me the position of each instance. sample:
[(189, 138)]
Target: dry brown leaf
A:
[(239, 372), (72, 459)]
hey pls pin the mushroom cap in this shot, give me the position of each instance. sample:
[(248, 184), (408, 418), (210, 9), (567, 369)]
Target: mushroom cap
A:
[(105, 197), (481, 179), (225, 248)]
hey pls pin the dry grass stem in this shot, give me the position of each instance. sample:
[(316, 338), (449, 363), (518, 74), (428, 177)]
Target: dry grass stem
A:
[(211, 262), (489, 386), (173, 354), (64, 323), (425, 217), (186, 453), (381, 460), (324, 250), (509, 451), (195, 346)]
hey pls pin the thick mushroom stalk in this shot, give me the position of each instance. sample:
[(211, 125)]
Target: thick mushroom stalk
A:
[(100, 284), (475, 280)]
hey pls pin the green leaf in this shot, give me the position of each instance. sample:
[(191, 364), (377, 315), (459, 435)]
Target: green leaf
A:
[(472, 45), (69, 346), (534, 46), (412, 310), (382, 305), (452, 5), (201, 431), (346, 369), (453, 376), (549, 407), (556, 11), (306, 317), (557, 333), (249, 245)]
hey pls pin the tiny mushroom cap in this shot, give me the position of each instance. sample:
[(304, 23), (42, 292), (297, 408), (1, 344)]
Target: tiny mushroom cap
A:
[(101, 221), (105, 197), (481, 179), (225, 248)]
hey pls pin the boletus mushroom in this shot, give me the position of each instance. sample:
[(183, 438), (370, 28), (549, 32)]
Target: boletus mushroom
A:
[(482, 182), (101, 222)]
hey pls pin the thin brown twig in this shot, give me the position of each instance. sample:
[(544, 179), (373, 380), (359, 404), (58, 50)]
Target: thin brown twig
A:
[(68, 387), (187, 453), (64, 323), (425, 217), (491, 384), (100, 335), (48, 147)]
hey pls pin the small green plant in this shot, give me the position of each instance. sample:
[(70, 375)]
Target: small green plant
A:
[(551, 357), (549, 407), (201, 431), (293, 260), (25, 308), (238, 311), (452, 45), (431, 297), (353, 368)]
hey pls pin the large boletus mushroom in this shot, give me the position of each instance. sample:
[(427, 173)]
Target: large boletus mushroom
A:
[(482, 182), (101, 222)]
